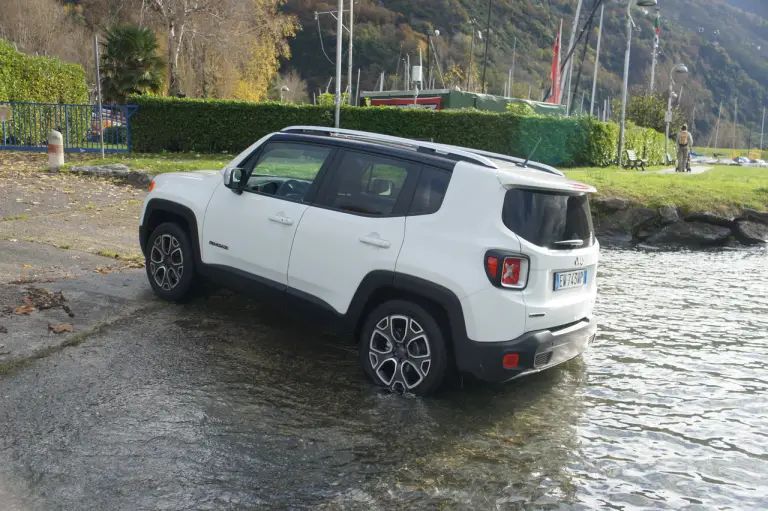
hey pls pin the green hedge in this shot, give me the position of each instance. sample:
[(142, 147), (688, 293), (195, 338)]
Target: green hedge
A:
[(220, 125), (39, 79)]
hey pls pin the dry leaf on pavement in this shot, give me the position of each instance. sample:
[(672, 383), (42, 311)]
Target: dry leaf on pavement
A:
[(60, 329), (23, 309)]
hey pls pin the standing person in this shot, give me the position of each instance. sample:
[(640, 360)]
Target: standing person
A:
[(684, 144)]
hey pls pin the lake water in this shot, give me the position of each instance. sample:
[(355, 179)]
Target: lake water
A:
[(217, 405)]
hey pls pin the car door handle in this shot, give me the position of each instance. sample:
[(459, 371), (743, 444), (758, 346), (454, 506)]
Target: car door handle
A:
[(281, 219), (375, 241)]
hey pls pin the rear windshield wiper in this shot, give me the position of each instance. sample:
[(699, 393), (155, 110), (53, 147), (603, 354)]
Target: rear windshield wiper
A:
[(571, 243)]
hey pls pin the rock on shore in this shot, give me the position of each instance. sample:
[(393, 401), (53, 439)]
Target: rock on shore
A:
[(667, 227)]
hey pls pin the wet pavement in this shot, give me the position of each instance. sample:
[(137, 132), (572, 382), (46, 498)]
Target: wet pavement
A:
[(224, 404)]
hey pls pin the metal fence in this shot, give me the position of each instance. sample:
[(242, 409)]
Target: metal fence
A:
[(26, 126)]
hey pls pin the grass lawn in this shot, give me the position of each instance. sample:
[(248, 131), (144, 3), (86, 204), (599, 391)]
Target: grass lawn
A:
[(159, 163), (722, 189)]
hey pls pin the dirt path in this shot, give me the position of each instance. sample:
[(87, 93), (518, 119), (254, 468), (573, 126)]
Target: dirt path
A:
[(696, 169)]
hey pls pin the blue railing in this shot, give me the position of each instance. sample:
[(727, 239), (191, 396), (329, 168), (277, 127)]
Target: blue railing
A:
[(27, 127)]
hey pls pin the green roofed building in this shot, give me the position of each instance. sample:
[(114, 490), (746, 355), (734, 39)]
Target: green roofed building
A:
[(445, 99)]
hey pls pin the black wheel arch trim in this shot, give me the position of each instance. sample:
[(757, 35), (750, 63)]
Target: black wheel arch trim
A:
[(155, 206), (414, 286)]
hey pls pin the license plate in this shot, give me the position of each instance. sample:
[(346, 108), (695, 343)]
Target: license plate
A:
[(570, 279)]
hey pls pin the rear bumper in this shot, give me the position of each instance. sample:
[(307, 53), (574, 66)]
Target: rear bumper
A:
[(537, 351)]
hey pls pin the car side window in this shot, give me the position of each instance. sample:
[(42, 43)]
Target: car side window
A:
[(433, 183), (284, 169), (366, 184)]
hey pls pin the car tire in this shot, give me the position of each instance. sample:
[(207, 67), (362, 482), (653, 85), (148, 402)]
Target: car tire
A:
[(403, 348), (170, 263)]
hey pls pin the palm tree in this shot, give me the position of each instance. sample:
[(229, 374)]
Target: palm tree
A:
[(130, 64)]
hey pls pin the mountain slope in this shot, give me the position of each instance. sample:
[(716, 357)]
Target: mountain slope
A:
[(725, 47), (759, 7)]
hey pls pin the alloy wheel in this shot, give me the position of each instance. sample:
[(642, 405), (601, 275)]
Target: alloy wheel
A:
[(166, 262), (399, 353)]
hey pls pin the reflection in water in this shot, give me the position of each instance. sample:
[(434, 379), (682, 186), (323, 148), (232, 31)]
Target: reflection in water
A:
[(220, 405)]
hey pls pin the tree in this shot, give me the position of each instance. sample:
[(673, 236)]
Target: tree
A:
[(265, 42), (175, 16), (130, 64), (297, 88), (648, 111)]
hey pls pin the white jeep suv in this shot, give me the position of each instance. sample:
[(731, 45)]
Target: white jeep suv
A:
[(430, 256)]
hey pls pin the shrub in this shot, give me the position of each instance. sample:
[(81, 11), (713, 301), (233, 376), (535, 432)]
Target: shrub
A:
[(39, 79), (174, 124)]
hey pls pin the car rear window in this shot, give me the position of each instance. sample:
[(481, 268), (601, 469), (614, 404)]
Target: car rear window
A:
[(546, 218)]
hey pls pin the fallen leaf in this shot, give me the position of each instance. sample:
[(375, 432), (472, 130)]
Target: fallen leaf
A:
[(102, 270), (68, 310), (3, 330), (23, 309), (60, 329), (26, 265)]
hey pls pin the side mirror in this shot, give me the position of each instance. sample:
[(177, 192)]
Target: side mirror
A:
[(232, 178)]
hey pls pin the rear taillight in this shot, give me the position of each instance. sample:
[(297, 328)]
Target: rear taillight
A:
[(492, 265), (514, 272), (506, 270)]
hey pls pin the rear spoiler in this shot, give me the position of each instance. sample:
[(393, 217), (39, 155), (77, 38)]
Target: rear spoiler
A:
[(540, 181)]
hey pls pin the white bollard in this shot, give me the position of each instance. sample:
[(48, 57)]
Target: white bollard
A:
[(55, 150)]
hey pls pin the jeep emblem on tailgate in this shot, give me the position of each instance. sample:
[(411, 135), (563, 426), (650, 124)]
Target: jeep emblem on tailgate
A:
[(579, 261)]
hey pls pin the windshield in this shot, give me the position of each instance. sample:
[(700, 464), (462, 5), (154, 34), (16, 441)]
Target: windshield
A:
[(547, 218)]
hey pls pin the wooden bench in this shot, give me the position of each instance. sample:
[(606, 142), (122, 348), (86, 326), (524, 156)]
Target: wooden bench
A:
[(633, 162)]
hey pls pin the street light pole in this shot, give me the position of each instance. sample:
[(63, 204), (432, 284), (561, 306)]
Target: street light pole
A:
[(681, 69)]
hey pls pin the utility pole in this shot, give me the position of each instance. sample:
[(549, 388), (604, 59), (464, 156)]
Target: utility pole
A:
[(429, 48), (597, 63), (512, 71), (471, 54), (351, 39), (717, 128), (762, 130), (487, 40), (735, 121), (339, 36), (571, 44), (693, 120), (357, 89)]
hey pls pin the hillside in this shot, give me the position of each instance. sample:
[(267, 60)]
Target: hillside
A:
[(725, 47), (759, 7)]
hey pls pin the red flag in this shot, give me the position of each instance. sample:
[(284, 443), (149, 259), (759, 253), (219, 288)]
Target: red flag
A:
[(555, 74)]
